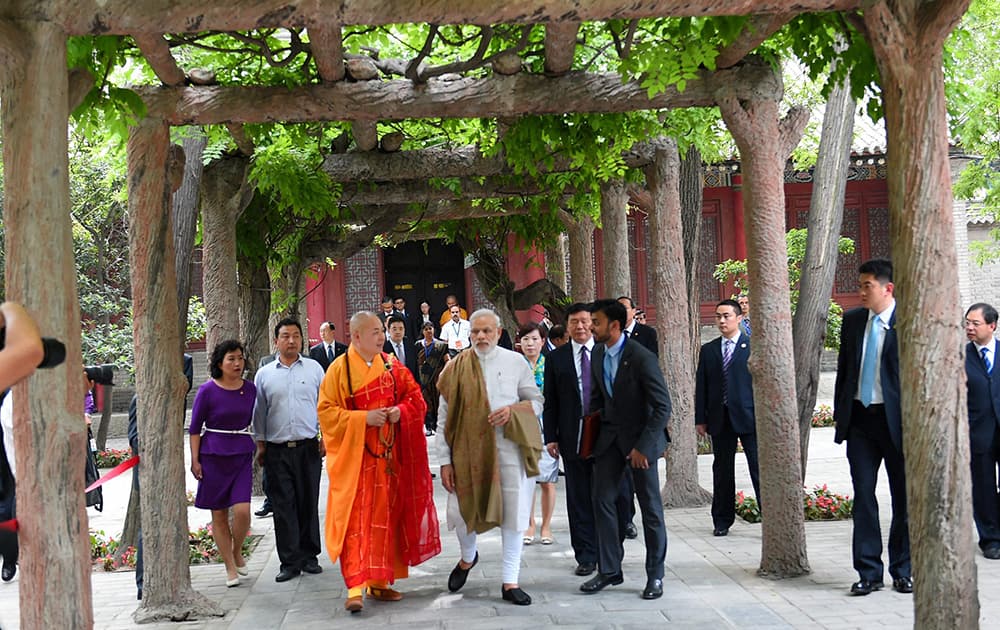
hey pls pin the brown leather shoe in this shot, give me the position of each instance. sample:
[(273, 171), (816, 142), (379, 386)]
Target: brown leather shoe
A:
[(354, 604), (384, 594)]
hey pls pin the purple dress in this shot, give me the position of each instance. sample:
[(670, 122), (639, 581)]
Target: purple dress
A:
[(226, 458)]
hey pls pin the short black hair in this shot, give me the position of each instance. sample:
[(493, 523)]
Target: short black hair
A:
[(533, 327), (557, 332), (393, 319), (612, 309), (331, 325), (989, 313), (631, 304), (576, 307), (288, 321), (219, 353), (881, 268), (736, 306), (427, 325)]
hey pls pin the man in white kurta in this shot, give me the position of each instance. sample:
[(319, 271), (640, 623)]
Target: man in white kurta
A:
[(512, 395)]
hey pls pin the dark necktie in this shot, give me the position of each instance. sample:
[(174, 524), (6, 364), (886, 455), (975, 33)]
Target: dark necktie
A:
[(585, 377), (727, 358), (626, 333), (329, 353), (986, 359)]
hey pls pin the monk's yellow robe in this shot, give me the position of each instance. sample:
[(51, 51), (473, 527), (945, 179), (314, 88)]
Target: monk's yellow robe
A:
[(380, 515)]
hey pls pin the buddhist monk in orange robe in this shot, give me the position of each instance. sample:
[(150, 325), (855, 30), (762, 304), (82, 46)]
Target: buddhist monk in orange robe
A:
[(380, 515)]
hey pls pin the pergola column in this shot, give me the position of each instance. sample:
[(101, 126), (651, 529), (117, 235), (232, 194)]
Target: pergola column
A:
[(765, 142), (669, 292), (167, 579), (50, 436), (581, 257), (614, 239)]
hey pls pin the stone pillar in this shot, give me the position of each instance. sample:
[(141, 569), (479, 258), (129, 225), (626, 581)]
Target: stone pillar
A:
[(614, 238)]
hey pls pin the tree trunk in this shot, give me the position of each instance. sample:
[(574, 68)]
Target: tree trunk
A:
[(826, 213), (185, 208), (255, 306), (581, 257), (555, 262), (49, 433), (101, 439), (167, 592), (681, 487), (225, 193), (764, 145), (286, 289), (692, 182), (908, 38), (614, 239)]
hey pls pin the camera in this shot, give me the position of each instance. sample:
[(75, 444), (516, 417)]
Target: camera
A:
[(53, 350), (101, 374)]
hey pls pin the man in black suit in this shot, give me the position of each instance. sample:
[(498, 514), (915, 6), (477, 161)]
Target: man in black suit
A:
[(397, 344), (723, 408), (413, 324), (324, 353), (984, 415), (867, 412), (568, 387), (645, 335), (635, 406)]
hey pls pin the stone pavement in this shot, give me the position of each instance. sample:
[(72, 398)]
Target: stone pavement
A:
[(710, 582)]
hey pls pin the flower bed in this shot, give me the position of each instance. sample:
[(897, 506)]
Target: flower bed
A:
[(819, 504), (109, 458), (823, 417), (201, 550)]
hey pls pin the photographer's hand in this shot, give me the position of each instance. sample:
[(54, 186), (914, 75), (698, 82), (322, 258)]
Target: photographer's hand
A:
[(22, 351)]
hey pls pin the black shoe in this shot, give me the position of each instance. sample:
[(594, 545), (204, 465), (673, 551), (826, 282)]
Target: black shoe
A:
[(516, 596), (312, 567), (903, 585), (631, 532), (8, 572), (992, 552), (599, 581), (459, 575), (720, 531), (287, 574), (654, 589), (265, 510), (585, 568), (865, 587)]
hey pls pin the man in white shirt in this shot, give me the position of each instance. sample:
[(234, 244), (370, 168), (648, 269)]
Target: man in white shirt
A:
[(489, 443), (457, 332)]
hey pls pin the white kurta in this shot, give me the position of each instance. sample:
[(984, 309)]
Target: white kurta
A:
[(509, 380)]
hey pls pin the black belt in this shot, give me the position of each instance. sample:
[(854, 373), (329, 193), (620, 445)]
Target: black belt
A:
[(293, 443)]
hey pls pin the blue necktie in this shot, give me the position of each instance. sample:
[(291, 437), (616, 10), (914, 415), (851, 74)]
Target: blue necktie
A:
[(869, 363), (585, 375), (727, 358), (329, 353), (986, 359)]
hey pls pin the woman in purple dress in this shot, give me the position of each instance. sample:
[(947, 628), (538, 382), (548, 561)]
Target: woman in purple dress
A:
[(222, 449)]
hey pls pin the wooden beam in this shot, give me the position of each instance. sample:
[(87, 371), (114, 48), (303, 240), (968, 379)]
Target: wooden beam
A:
[(157, 52), (444, 210), (415, 191), (110, 17), (327, 47), (560, 46), (365, 134), (490, 97), (757, 29), (464, 161)]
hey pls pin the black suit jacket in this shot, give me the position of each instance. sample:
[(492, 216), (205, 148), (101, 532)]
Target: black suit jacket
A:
[(983, 400), (318, 353), (563, 406), (410, 355), (635, 413), (646, 336), (852, 336), (708, 407)]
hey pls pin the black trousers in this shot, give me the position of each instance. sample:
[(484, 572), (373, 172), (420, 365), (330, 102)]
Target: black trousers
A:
[(868, 445), (9, 547), (610, 518), (293, 475), (724, 472), (985, 501)]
